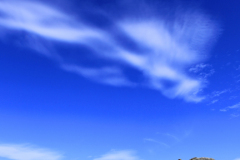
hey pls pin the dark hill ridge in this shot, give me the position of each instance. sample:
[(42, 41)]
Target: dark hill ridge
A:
[(202, 158)]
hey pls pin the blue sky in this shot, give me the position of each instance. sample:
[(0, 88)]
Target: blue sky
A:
[(119, 80)]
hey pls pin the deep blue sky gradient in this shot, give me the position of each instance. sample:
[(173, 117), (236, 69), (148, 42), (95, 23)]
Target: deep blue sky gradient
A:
[(44, 105)]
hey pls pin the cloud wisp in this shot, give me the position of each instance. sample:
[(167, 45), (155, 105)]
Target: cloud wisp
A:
[(119, 155), (164, 51), (236, 106), (198, 67), (203, 71), (26, 152), (213, 101), (218, 93), (155, 141)]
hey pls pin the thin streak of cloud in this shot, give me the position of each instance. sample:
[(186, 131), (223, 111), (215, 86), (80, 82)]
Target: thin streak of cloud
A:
[(223, 110), (119, 155), (218, 93), (26, 152), (203, 71), (155, 141), (235, 115), (166, 50), (198, 67), (172, 136), (235, 106), (107, 75), (205, 75), (214, 101)]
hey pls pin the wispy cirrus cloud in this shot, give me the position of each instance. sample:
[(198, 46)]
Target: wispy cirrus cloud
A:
[(199, 67), (43, 20), (164, 49), (173, 136), (119, 155), (26, 152), (109, 75), (203, 71), (155, 141), (235, 106), (214, 101), (218, 93)]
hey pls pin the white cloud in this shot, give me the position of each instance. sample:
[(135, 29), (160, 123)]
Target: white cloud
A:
[(25, 152), (223, 110), (214, 101), (172, 136), (236, 106), (235, 115), (108, 75), (43, 20), (203, 71), (170, 46), (205, 75), (198, 67), (218, 93), (155, 141), (164, 60), (119, 155)]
